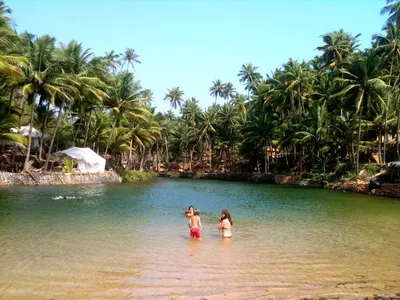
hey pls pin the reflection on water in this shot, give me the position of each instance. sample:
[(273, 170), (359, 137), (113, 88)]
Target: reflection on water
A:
[(132, 242)]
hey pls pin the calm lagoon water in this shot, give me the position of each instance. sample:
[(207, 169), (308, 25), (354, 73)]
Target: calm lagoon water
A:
[(131, 242)]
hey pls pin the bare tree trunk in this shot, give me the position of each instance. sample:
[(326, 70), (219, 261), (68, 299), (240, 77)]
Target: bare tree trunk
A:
[(109, 138), (158, 154), (385, 137), (184, 161), (380, 147), (87, 128), (142, 159), (43, 132), (397, 134), (130, 156), (266, 158), (28, 151), (190, 159), (358, 144), (58, 122), (167, 154), (10, 101), (76, 134)]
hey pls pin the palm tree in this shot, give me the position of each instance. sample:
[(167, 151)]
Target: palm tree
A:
[(207, 131), (360, 85), (217, 90), (228, 91), (392, 9), (248, 74), (174, 96), (130, 57), (338, 46), (112, 61), (124, 100), (388, 46)]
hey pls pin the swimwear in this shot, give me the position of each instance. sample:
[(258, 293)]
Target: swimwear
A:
[(195, 233)]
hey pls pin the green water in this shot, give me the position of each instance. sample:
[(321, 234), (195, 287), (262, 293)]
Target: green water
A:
[(131, 242)]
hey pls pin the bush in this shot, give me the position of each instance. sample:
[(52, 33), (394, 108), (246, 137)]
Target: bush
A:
[(371, 169), (135, 176), (68, 164)]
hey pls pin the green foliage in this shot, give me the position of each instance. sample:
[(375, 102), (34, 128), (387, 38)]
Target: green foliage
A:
[(371, 169), (68, 164), (129, 176)]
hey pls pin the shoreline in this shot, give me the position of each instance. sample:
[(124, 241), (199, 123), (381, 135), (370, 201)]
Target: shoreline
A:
[(48, 179), (356, 186)]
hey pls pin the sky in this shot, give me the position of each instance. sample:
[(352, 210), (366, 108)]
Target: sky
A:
[(190, 43)]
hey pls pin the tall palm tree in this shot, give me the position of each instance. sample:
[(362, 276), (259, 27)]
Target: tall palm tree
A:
[(360, 85), (388, 46), (130, 57), (248, 74), (123, 99), (228, 91), (112, 61), (338, 45), (174, 96), (392, 9), (217, 90)]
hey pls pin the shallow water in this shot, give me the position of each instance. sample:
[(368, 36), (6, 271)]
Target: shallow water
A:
[(131, 242)]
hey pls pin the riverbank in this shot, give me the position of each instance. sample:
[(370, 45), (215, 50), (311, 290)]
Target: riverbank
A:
[(34, 178), (357, 186)]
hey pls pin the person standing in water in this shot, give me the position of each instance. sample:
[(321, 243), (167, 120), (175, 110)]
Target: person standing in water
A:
[(225, 224), (189, 213), (195, 225)]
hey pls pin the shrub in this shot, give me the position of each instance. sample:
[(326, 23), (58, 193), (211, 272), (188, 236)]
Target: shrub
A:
[(371, 169), (68, 164), (135, 176)]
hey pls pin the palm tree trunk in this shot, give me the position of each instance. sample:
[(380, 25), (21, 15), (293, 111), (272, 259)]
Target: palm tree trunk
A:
[(130, 155), (10, 101), (380, 147), (358, 144), (76, 134), (266, 158), (397, 134), (28, 151), (385, 136), (109, 138), (184, 161), (58, 122), (142, 159), (167, 154), (210, 149), (158, 154), (87, 128), (190, 159), (43, 132)]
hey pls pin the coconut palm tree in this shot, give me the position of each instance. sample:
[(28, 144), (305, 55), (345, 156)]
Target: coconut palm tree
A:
[(338, 45), (112, 61), (217, 90), (123, 99), (174, 96), (392, 9), (248, 74), (360, 85), (228, 91), (130, 57)]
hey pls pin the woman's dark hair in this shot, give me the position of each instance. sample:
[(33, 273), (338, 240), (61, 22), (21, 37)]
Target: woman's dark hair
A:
[(191, 206), (227, 215)]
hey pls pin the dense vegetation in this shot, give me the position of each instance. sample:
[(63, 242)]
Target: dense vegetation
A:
[(340, 108)]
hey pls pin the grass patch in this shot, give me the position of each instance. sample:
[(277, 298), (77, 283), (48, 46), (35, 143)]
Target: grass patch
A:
[(135, 176)]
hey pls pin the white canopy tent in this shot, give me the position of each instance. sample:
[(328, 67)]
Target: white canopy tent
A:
[(36, 134), (88, 160)]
